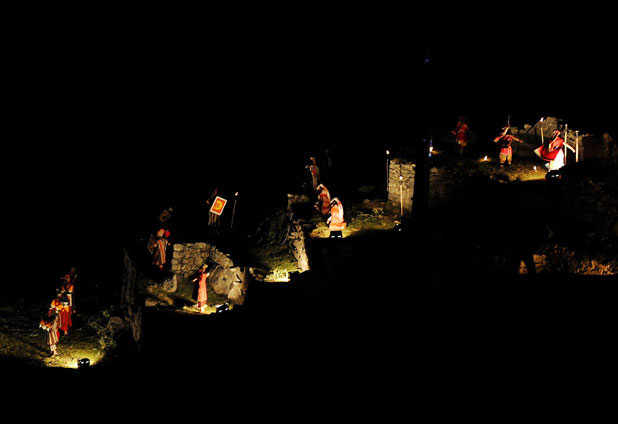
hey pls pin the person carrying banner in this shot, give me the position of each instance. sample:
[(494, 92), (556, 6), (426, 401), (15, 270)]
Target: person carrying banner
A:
[(214, 220)]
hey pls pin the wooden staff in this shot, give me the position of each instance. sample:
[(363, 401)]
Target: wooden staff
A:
[(401, 193), (576, 145), (566, 141), (234, 210), (388, 163)]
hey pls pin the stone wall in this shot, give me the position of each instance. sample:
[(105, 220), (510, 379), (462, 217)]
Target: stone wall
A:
[(557, 259), (130, 300), (401, 184), (442, 183), (225, 278), (297, 244)]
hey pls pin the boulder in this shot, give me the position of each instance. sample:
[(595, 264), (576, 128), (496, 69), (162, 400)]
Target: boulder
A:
[(170, 284)]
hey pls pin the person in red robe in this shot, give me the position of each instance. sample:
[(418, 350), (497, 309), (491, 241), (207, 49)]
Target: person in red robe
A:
[(60, 307), (323, 203), (160, 252), (67, 288), (314, 171), (461, 132), (202, 291)]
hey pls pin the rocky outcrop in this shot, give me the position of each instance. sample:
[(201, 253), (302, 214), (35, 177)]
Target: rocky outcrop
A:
[(557, 259), (225, 277)]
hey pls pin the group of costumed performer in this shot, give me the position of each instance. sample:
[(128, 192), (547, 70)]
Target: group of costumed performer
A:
[(59, 315), (332, 210), (551, 151)]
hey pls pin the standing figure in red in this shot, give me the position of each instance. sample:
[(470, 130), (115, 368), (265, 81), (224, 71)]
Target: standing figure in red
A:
[(202, 292), (461, 133), (60, 307), (504, 141), (323, 203), (314, 171), (161, 248), (68, 285)]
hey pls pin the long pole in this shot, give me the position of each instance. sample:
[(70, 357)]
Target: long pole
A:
[(388, 171), (401, 193), (566, 141), (234, 210), (576, 145)]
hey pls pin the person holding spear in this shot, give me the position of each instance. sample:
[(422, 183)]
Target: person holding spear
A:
[(504, 141)]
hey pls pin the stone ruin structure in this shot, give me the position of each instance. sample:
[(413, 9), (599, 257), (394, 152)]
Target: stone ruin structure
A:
[(225, 277), (401, 177)]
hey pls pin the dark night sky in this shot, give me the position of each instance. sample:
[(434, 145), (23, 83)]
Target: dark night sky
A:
[(111, 114)]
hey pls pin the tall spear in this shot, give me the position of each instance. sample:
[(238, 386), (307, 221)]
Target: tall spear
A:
[(234, 210), (566, 141), (576, 145), (388, 165)]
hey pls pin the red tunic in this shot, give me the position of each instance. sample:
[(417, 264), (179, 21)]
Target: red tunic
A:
[(461, 133), (64, 314), (550, 152), (324, 197), (202, 293)]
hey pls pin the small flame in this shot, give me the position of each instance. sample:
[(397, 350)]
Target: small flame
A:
[(485, 159)]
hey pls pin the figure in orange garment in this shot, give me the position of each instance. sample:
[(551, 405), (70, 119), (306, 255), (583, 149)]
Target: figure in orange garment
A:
[(335, 221), (504, 141), (160, 253), (60, 307), (50, 324), (323, 203), (461, 132), (202, 292)]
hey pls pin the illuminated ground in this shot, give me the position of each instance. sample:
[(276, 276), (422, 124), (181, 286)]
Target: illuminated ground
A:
[(21, 339)]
